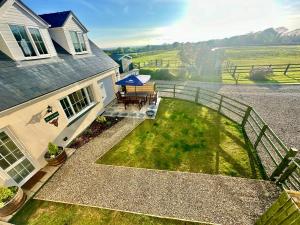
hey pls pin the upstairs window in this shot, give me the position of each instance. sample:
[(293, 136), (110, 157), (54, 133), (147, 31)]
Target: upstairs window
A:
[(38, 41), (77, 102), (23, 40), (78, 41), (30, 46)]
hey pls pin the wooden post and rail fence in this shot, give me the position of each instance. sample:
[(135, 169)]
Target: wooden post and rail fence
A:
[(159, 63), (276, 160), (285, 210), (236, 70)]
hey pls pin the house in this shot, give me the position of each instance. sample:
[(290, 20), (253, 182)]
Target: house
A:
[(54, 82), (124, 61)]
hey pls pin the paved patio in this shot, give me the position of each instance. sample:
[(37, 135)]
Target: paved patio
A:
[(199, 197)]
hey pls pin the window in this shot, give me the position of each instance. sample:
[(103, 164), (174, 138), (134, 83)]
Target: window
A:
[(12, 160), (78, 41), (37, 38), (23, 40), (76, 102)]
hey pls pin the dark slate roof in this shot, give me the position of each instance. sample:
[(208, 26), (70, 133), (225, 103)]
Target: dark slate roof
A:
[(26, 80), (56, 19)]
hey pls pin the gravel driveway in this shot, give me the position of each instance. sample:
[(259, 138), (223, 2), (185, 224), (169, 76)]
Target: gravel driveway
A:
[(192, 196)]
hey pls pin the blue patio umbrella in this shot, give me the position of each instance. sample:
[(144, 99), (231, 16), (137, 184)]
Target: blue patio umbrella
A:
[(133, 80)]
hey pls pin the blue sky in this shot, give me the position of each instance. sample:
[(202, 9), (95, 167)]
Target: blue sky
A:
[(139, 22)]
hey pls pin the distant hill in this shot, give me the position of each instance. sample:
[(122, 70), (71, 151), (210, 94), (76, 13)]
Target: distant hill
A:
[(270, 36)]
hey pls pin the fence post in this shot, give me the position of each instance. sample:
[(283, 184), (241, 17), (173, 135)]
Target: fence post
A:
[(197, 95), (286, 70), (291, 168), (174, 89), (233, 75), (284, 163), (261, 134), (220, 105), (247, 114)]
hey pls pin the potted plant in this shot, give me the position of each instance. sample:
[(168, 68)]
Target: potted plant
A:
[(11, 199), (55, 155)]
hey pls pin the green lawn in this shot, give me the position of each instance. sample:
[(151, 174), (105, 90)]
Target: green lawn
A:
[(185, 137), (156, 55), (49, 213), (264, 55)]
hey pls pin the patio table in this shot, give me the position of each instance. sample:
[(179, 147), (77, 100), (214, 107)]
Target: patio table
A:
[(140, 95)]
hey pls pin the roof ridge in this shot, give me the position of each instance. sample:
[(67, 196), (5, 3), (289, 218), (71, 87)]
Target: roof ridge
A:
[(66, 11)]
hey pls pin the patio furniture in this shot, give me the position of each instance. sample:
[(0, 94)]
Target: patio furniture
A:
[(133, 100), (153, 98), (120, 98), (142, 95)]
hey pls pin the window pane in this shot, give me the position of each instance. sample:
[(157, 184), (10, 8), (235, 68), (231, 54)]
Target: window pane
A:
[(4, 164), (23, 40), (10, 145), (4, 137), (28, 165), (11, 158), (3, 150), (82, 42), (66, 107), (18, 154), (36, 36), (75, 41)]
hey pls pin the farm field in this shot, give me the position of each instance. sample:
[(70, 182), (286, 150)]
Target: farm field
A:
[(264, 55), (155, 55)]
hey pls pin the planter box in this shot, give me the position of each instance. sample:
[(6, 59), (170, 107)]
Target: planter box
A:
[(59, 159), (14, 204)]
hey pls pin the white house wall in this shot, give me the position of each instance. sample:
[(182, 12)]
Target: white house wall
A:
[(27, 122)]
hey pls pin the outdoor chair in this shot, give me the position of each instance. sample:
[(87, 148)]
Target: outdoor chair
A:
[(153, 98), (120, 98)]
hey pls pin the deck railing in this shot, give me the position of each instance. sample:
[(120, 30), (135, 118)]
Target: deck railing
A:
[(271, 154)]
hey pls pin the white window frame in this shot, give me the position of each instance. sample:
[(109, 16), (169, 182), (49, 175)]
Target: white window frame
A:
[(38, 55), (15, 140), (90, 103), (78, 32)]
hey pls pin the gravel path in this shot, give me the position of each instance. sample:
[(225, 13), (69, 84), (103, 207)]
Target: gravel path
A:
[(199, 197)]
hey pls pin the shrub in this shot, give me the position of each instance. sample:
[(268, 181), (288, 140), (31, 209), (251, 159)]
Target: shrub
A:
[(6, 193), (88, 132), (161, 74), (52, 149), (101, 119), (260, 73)]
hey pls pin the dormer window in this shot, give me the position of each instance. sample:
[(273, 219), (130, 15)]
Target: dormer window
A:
[(23, 40), (38, 41), (33, 46), (78, 41)]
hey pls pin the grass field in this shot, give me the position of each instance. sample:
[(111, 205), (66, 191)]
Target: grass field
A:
[(156, 55), (185, 137), (49, 213), (264, 55)]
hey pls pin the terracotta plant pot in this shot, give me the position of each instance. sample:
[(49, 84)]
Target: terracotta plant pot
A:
[(59, 159), (14, 204)]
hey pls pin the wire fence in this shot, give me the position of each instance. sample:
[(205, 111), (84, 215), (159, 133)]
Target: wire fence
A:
[(276, 160)]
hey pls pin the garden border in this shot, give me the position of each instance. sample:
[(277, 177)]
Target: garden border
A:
[(270, 152)]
